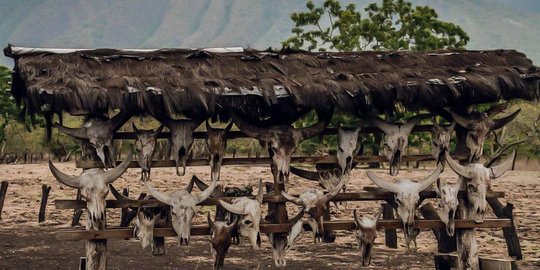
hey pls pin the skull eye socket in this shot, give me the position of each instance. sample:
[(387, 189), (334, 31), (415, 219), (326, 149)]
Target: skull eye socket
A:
[(247, 222), (340, 149), (398, 201), (471, 188), (274, 149)]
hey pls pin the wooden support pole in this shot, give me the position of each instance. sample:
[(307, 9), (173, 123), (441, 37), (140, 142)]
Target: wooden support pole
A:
[(45, 189), (124, 213), (510, 233), (78, 211), (467, 246), (3, 191), (446, 244), (390, 235)]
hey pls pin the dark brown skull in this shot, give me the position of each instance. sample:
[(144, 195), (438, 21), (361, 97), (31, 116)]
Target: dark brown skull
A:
[(145, 145), (440, 141), (181, 140), (216, 143), (366, 233), (220, 239)]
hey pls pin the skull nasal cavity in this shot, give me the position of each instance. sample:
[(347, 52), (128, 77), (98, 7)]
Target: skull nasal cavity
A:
[(182, 151)]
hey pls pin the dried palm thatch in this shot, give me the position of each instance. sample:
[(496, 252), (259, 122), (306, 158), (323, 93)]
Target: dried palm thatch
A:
[(263, 83)]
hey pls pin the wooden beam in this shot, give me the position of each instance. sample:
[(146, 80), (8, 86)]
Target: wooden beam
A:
[(73, 235), (45, 189), (236, 134), (510, 234), (88, 164), (353, 196)]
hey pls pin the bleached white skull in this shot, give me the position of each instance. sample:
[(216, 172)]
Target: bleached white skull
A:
[(99, 132), (281, 244), (478, 125), (440, 141), (314, 203), (144, 229), (395, 139), (216, 143), (282, 140), (478, 179), (366, 233), (406, 195), (145, 144), (448, 203), (94, 186), (250, 215), (183, 207), (220, 239), (347, 147), (181, 140)]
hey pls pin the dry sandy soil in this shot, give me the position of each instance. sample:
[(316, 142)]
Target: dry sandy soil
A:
[(25, 244)]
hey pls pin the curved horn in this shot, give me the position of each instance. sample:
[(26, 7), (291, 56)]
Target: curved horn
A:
[(158, 130), (249, 130), (68, 180), (357, 220), (208, 127), (260, 192), (382, 183), (315, 129), (411, 122), (497, 108), (328, 196), (210, 222), (430, 179), (135, 129), (229, 126), (499, 170), (456, 167), (233, 223), (314, 176), (119, 196), (113, 174), (460, 120), (501, 122), (207, 192), (162, 197), (292, 199), (119, 120), (79, 133), (378, 214), (297, 217), (387, 128), (232, 208)]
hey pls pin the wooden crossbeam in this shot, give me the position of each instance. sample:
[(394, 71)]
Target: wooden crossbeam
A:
[(236, 134), (88, 164), (74, 235), (351, 196)]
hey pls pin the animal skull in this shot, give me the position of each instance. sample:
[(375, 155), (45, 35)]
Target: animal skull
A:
[(314, 203), (94, 186), (183, 207), (99, 132), (250, 212), (216, 143), (440, 141), (479, 124), (281, 243), (366, 233), (406, 195), (448, 203), (396, 139), (478, 179), (181, 140), (347, 147), (144, 229), (220, 239), (145, 145), (282, 140)]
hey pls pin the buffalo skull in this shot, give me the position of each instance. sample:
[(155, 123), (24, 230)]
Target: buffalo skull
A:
[(220, 239), (440, 141), (406, 195), (99, 132), (396, 139), (347, 147), (183, 207), (250, 215), (448, 203), (478, 179), (478, 125), (216, 143), (366, 233), (314, 202), (282, 140), (145, 145), (94, 186), (281, 243), (181, 140)]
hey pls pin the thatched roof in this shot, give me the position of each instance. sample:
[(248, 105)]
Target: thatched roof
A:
[(192, 82)]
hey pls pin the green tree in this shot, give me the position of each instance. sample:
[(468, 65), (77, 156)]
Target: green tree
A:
[(8, 109), (391, 25)]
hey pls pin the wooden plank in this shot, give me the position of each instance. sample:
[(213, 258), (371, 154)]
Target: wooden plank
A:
[(390, 235), (236, 134), (72, 235), (350, 196), (3, 191), (510, 234), (45, 189), (88, 164)]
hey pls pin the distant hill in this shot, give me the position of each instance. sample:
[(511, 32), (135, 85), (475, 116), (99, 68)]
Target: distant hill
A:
[(248, 23)]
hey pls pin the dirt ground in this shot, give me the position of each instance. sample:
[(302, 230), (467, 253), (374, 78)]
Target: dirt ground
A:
[(25, 244)]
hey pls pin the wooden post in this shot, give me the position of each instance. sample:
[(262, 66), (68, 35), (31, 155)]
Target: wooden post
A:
[(510, 234), (82, 263), (124, 212), (446, 244), (45, 189), (390, 235), (3, 192), (77, 213)]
